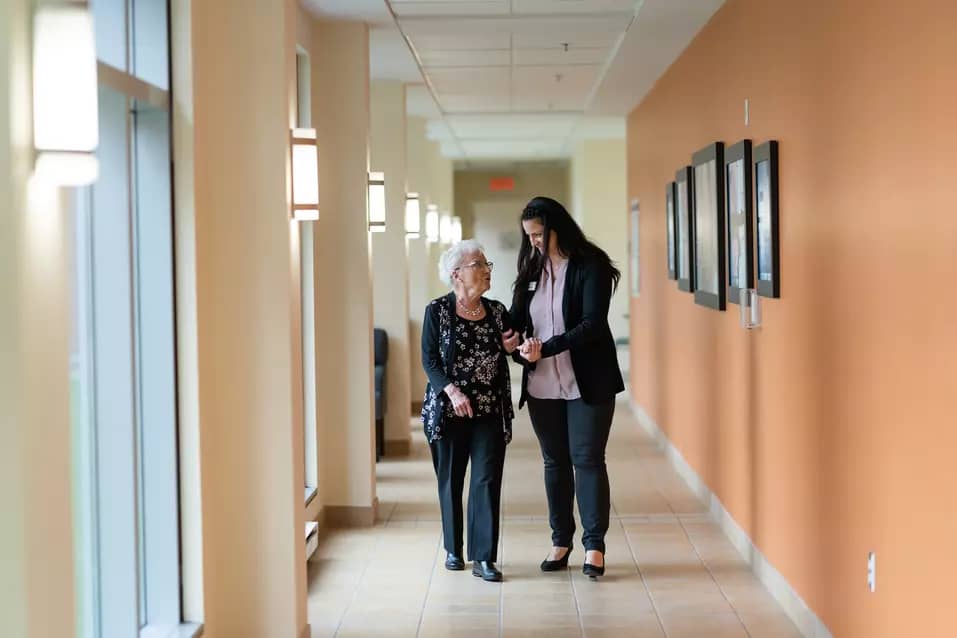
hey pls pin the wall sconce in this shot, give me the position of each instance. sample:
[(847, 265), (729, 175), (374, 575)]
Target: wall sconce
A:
[(432, 223), (456, 230), (377, 202), (412, 214), (445, 229), (65, 112), (305, 175)]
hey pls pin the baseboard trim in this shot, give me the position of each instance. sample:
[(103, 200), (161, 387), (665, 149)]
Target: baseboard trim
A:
[(398, 447), (794, 606), (350, 515)]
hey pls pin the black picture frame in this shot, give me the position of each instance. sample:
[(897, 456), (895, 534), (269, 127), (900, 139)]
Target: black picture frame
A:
[(671, 231), (684, 228), (768, 257), (739, 220), (709, 268)]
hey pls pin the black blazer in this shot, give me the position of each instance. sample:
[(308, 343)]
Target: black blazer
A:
[(587, 337)]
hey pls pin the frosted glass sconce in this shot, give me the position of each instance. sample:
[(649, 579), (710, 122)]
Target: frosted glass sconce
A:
[(432, 223), (750, 309), (412, 215), (377, 202), (445, 229), (305, 175), (65, 112), (456, 230)]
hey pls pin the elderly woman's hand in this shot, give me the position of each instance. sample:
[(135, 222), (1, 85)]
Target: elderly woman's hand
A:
[(510, 341), (460, 403), (531, 350)]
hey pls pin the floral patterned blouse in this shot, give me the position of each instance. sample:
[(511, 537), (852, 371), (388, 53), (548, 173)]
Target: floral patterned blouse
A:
[(476, 368)]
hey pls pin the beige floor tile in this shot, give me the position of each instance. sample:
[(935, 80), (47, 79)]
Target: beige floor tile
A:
[(703, 626), (665, 556)]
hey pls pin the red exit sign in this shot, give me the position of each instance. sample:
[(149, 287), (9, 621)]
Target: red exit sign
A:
[(498, 184)]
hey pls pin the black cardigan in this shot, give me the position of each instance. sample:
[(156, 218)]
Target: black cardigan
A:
[(438, 353), (587, 337)]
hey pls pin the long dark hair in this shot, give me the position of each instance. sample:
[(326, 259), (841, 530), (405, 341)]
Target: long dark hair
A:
[(571, 242)]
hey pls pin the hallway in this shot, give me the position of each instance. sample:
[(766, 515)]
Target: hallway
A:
[(671, 572)]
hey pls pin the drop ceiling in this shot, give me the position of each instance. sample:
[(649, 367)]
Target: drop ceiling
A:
[(523, 79)]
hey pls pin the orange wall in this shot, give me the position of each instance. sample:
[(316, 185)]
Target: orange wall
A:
[(832, 430)]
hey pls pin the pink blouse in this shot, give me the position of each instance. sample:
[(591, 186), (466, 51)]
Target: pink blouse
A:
[(553, 377)]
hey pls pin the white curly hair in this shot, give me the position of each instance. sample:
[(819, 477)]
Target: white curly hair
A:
[(452, 258)]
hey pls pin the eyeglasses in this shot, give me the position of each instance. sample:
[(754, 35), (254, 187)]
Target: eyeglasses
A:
[(477, 264)]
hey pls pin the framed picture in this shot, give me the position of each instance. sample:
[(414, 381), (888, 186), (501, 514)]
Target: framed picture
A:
[(766, 219), (672, 236), (684, 221), (710, 284), (737, 187), (634, 247)]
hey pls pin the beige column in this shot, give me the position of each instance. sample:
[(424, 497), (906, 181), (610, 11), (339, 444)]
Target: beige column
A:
[(420, 259), (340, 108), (599, 204), (390, 261), (233, 272), (36, 552)]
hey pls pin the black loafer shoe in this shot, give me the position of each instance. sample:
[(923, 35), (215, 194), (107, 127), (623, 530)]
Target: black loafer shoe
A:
[(486, 570), (556, 565), (454, 563)]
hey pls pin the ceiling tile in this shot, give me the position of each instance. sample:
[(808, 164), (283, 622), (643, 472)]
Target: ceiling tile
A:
[(404, 8), (471, 81), (457, 58), (551, 7), (508, 126), (557, 55)]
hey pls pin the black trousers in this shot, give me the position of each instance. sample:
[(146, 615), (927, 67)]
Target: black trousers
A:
[(482, 441), (573, 436)]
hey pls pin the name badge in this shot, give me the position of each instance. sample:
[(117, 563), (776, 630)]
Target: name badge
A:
[(532, 285)]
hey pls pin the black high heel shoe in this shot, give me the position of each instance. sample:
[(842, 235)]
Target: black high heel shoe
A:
[(594, 571), (556, 565)]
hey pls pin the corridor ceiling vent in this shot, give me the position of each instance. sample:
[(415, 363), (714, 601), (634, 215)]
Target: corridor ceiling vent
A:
[(65, 114), (412, 216), (305, 175), (376, 202)]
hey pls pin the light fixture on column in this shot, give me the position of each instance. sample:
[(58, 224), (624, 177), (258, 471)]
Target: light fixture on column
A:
[(432, 223), (456, 229), (445, 229), (65, 114), (412, 214), (377, 202), (305, 175)]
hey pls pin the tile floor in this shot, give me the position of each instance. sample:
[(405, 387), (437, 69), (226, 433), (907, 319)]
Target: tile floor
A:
[(670, 570)]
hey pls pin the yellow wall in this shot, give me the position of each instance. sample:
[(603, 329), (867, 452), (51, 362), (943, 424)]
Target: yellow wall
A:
[(493, 217), (829, 432), (36, 552), (598, 203)]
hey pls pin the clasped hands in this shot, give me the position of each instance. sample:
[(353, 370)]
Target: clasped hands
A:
[(530, 349)]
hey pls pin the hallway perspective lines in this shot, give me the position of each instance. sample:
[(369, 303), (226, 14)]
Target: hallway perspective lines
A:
[(671, 572)]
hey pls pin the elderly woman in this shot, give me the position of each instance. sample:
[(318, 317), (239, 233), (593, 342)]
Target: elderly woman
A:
[(467, 412)]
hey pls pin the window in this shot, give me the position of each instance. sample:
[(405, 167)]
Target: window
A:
[(308, 296), (123, 355)]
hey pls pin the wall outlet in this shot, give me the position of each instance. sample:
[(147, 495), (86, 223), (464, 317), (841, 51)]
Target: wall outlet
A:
[(872, 572)]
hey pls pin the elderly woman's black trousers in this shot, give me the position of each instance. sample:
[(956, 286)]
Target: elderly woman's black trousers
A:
[(482, 442)]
